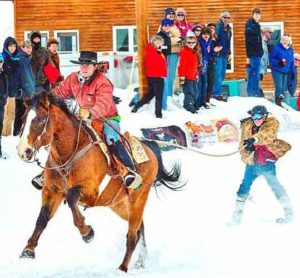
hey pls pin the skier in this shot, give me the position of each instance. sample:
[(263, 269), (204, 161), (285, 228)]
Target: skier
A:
[(260, 149)]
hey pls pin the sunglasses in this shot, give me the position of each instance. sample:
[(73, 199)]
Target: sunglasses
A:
[(257, 117), (199, 30), (180, 14), (191, 43), (226, 17)]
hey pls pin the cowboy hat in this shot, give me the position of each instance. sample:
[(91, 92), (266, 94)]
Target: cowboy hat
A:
[(86, 58)]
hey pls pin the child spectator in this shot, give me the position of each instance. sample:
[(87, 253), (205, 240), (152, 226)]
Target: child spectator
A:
[(156, 71), (188, 71)]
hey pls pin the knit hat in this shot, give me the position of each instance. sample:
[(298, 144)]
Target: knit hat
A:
[(35, 34), (224, 14), (297, 56), (169, 11), (195, 26), (190, 34), (211, 24), (181, 11), (52, 41), (166, 22)]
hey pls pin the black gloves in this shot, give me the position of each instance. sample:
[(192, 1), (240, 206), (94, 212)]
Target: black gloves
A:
[(248, 143)]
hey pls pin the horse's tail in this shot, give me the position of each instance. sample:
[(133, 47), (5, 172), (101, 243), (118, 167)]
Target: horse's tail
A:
[(170, 179)]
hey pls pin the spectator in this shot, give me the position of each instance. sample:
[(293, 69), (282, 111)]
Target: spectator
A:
[(39, 60), (172, 59), (224, 34), (156, 71), (52, 46), (181, 22), (188, 71), (292, 80), (260, 149), (266, 33), (11, 68), (254, 51), (3, 96), (282, 62), (164, 32), (212, 61), (27, 80), (207, 51), (196, 28)]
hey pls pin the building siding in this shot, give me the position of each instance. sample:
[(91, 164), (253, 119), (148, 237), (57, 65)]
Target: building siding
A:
[(95, 19)]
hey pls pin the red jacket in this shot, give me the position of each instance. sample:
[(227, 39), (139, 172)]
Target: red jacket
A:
[(97, 97), (155, 62), (189, 63)]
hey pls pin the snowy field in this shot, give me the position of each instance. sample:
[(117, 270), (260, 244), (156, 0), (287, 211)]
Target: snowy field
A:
[(186, 231)]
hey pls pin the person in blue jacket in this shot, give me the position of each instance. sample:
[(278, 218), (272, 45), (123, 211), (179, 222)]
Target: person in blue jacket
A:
[(282, 63)]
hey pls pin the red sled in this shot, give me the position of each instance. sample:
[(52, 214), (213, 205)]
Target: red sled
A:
[(52, 73)]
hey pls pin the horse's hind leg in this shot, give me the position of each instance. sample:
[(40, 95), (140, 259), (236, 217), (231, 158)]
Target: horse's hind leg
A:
[(50, 203), (73, 196)]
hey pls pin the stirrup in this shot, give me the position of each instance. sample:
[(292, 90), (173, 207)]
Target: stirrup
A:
[(38, 181), (133, 180)]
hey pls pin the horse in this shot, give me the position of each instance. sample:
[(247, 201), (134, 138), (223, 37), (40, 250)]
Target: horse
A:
[(75, 169)]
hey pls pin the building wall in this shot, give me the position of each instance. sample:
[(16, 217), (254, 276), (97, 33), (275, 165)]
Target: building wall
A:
[(7, 21), (95, 19)]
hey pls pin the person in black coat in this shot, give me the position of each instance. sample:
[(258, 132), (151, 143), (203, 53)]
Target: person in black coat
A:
[(254, 51), (3, 96)]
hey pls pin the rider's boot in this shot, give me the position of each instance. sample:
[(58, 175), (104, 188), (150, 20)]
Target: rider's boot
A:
[(287, 210), (132, 180), (38, 181)]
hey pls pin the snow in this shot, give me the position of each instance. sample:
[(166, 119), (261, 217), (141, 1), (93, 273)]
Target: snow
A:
[(186, 232)]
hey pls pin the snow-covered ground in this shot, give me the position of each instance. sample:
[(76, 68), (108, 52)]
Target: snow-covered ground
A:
[(186, 231)]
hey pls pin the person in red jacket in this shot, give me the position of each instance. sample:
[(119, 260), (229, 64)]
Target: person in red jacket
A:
[(188, 71), (156, 71)]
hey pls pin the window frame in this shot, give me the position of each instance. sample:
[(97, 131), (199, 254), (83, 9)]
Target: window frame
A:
[(131, 44), (26, 35), (68, 31)]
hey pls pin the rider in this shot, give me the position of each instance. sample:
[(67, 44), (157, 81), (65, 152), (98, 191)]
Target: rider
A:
[(94, 93)]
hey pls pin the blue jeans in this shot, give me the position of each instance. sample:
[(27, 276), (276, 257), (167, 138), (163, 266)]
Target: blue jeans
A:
[(164, 105), (220, 71), (253, 77), (111, 134), (256, 170), (172, 67), (202, 90), (280, 82)]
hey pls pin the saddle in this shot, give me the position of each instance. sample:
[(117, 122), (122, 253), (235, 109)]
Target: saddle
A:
[(132, 144)]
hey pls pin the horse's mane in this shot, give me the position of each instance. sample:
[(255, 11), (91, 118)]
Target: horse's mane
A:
[(64, 104)]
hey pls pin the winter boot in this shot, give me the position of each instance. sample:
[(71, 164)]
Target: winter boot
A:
[(38, 181), (278, 100), (132, 180), (239, 209), (136, 107), (208, 96), (287, 209)]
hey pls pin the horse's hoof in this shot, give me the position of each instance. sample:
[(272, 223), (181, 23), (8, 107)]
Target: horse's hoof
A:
[(139, 264), (27, 253), (89, 237), (123, 268)]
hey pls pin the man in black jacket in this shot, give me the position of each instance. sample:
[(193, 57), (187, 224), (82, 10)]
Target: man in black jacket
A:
[(254, 52)]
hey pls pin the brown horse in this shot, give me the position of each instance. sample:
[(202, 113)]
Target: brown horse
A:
[(75, 169)]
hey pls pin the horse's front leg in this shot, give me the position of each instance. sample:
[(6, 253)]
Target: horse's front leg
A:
[(50, 203), (73, 196)]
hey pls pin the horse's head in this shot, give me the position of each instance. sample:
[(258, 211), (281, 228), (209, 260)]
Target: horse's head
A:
[(34, 129)]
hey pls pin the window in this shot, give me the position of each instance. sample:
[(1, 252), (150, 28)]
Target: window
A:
[(45, 37), (68, 40), (124, 39)]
